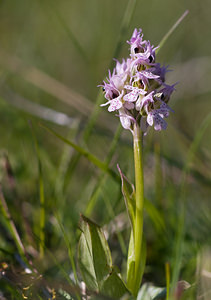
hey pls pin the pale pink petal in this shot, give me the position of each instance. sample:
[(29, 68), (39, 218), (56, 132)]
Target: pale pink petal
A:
[(149, 75), (115, 104), (132, 96), (129, 87), (150, 119)]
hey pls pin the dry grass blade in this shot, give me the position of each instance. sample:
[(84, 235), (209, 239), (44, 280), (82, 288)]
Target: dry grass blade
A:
[(40, 111), (52, 86)]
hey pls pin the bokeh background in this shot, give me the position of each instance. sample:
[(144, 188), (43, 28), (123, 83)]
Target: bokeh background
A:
[(53, 54)]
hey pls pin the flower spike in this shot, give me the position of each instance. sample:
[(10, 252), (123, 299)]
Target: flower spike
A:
[(136, 87)]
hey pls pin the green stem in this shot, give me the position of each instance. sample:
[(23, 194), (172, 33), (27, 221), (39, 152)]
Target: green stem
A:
[(139, 184)]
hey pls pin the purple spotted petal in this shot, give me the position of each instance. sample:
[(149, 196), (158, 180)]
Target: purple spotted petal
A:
[(164, 110), (132, 96), (149, 75), (129, 87), (115, 104), (159, 122)]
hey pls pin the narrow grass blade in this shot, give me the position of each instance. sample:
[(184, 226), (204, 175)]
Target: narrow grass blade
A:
[(70, 34), (196, 174), (101, 165), (158, 176), (102, 178), (99, 185), (11, 290), (114, 144), (62, 172), (68, 244), (11, 226), (123, 30), (171, 30), (195, 144), (112, 217), (71, 285), (129, 11), (95, 194), (70, 253), (95, 112), (181, 223), (42, 198), (167, 269), (154, 215)]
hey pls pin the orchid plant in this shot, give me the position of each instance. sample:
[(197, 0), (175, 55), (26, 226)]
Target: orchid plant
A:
[(137, 91)]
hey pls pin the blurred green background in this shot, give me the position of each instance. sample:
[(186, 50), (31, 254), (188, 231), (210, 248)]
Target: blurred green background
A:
[(53, 54)]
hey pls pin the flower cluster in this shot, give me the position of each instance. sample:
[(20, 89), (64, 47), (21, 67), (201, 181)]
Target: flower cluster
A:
[(136, 88)]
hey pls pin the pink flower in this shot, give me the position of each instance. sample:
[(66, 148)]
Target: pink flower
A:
[(115, 103), (136, 87)]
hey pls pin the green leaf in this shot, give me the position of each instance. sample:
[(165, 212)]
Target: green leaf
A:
[(86, 264), (131, 263), (94, 254), (113, 286), (95, 261), (128, 192)]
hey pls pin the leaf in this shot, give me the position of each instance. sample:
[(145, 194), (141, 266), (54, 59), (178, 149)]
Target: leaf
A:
[(86, 264), (131, 264), (113, 286), (95, 261), (128, 192), (94, 254)]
